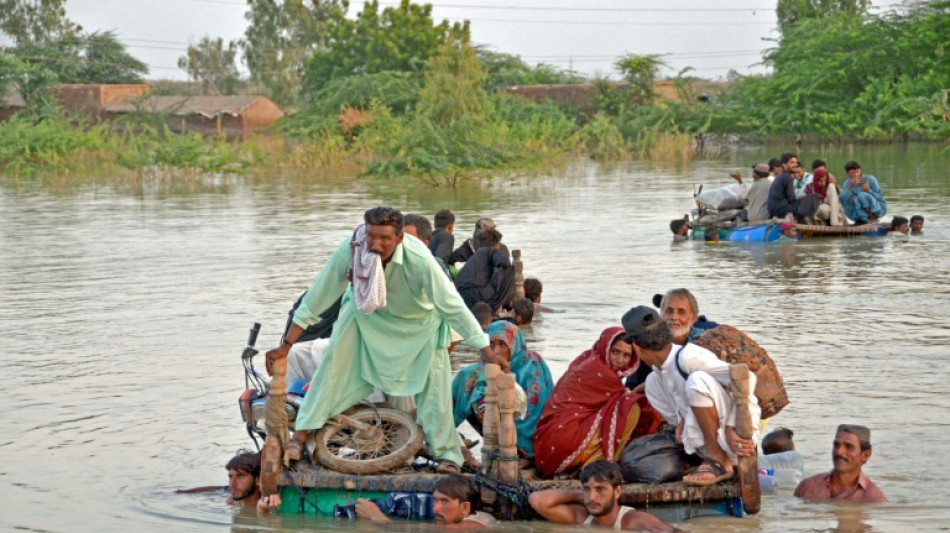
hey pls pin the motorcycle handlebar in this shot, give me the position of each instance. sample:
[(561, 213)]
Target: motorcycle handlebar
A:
[(252, 338)]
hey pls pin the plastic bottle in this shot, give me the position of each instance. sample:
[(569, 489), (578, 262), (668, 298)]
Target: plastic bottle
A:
[(788, 478), (767, 482)]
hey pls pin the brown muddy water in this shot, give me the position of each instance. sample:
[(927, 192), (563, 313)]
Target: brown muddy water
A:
[(123, 311)]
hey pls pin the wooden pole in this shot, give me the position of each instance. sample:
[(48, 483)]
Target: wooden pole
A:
[(275, 445), (507, 434), (519, 273), (748, 466), (490, 424)]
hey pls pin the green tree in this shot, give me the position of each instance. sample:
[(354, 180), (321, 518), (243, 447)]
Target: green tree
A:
[(641, 71), (105, 60), (791, 12), (281, 36), (210, 64), (397, 39), (453, 89), (505, 70), (36, 21)]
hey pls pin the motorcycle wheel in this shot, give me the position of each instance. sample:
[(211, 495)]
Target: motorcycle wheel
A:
[(390, 440)]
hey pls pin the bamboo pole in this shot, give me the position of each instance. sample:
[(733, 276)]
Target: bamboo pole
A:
[(748, 466), (273, 452), (490, 424)]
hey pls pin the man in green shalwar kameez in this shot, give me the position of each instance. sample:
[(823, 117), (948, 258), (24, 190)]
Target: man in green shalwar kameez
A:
[(400, 348)]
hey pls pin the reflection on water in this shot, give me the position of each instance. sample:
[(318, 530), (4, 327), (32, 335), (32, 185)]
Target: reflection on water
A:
[(124, 310)]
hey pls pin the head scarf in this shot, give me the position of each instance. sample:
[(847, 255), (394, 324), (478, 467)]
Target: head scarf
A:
[(601, 350), (590, 399), (821, 190)]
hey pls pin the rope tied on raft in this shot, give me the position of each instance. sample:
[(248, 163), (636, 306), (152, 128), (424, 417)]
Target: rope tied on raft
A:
[(516, 493)]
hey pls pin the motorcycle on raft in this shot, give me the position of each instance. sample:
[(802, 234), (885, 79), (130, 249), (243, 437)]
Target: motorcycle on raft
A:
[(366, 439)]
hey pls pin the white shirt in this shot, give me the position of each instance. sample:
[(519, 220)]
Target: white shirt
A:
[(693, 358)]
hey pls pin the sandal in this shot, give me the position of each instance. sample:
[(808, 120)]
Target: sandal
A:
[(294, 450), (709, 466)]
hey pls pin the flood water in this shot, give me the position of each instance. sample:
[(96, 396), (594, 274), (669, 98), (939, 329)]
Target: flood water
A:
[(124, 308)]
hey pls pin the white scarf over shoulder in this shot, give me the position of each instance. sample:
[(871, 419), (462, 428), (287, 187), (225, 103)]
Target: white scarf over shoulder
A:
[(366, 269)]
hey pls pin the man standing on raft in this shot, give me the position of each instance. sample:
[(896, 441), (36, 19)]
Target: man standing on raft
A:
[(392, 333)]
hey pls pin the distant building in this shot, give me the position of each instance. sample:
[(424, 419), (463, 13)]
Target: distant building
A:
[(209, 115), (583, 96), (10, 103)]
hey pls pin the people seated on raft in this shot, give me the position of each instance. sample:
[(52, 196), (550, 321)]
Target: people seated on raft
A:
[(916, 225), (802, 179), (680, 310), (597, 504), (830, 212), (846, 481), (900, 227), (688, 387), (789, 233), (532, 291), (531, 374), (820, 164), (775, 167), (680, 229), (453, 503), (488, 276), (758, 206), (591, 415), (861, 196), (782, 200), (471, 245), (443, 242)]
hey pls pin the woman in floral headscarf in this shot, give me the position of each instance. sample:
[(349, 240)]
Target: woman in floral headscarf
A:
[(531, 373), (591, 414)]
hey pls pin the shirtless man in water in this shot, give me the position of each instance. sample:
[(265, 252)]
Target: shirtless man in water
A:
[(598, 504)]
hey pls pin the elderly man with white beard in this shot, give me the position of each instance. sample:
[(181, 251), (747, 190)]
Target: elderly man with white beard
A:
[(680, 311)]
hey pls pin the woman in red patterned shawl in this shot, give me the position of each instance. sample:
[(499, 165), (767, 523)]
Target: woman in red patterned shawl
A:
[(591, 415)]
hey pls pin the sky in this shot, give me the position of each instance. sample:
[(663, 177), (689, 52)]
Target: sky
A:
[(712, 37)]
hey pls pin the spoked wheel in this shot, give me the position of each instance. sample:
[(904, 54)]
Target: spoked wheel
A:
[(367, 441)]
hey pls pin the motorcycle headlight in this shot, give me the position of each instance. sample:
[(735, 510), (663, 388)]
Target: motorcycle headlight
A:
[(259, 410)]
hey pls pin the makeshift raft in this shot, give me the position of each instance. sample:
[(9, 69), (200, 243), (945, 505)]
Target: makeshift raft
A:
[(767, 231), (312, 489)]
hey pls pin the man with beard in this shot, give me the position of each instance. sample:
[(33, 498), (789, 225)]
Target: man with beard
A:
[(846, 481), (244, 470), (680, 311), (453, 501), (688, 386), (598, 504), (393, 331)]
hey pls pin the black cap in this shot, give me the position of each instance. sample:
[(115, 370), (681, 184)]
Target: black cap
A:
[(639, 319)]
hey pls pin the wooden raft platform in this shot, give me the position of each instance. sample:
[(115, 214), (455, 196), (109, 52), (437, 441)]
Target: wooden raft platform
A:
[(639, 494), (684, 501), (815, 230)]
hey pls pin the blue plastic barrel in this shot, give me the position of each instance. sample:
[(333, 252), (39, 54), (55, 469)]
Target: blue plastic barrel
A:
[(762, 233)]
